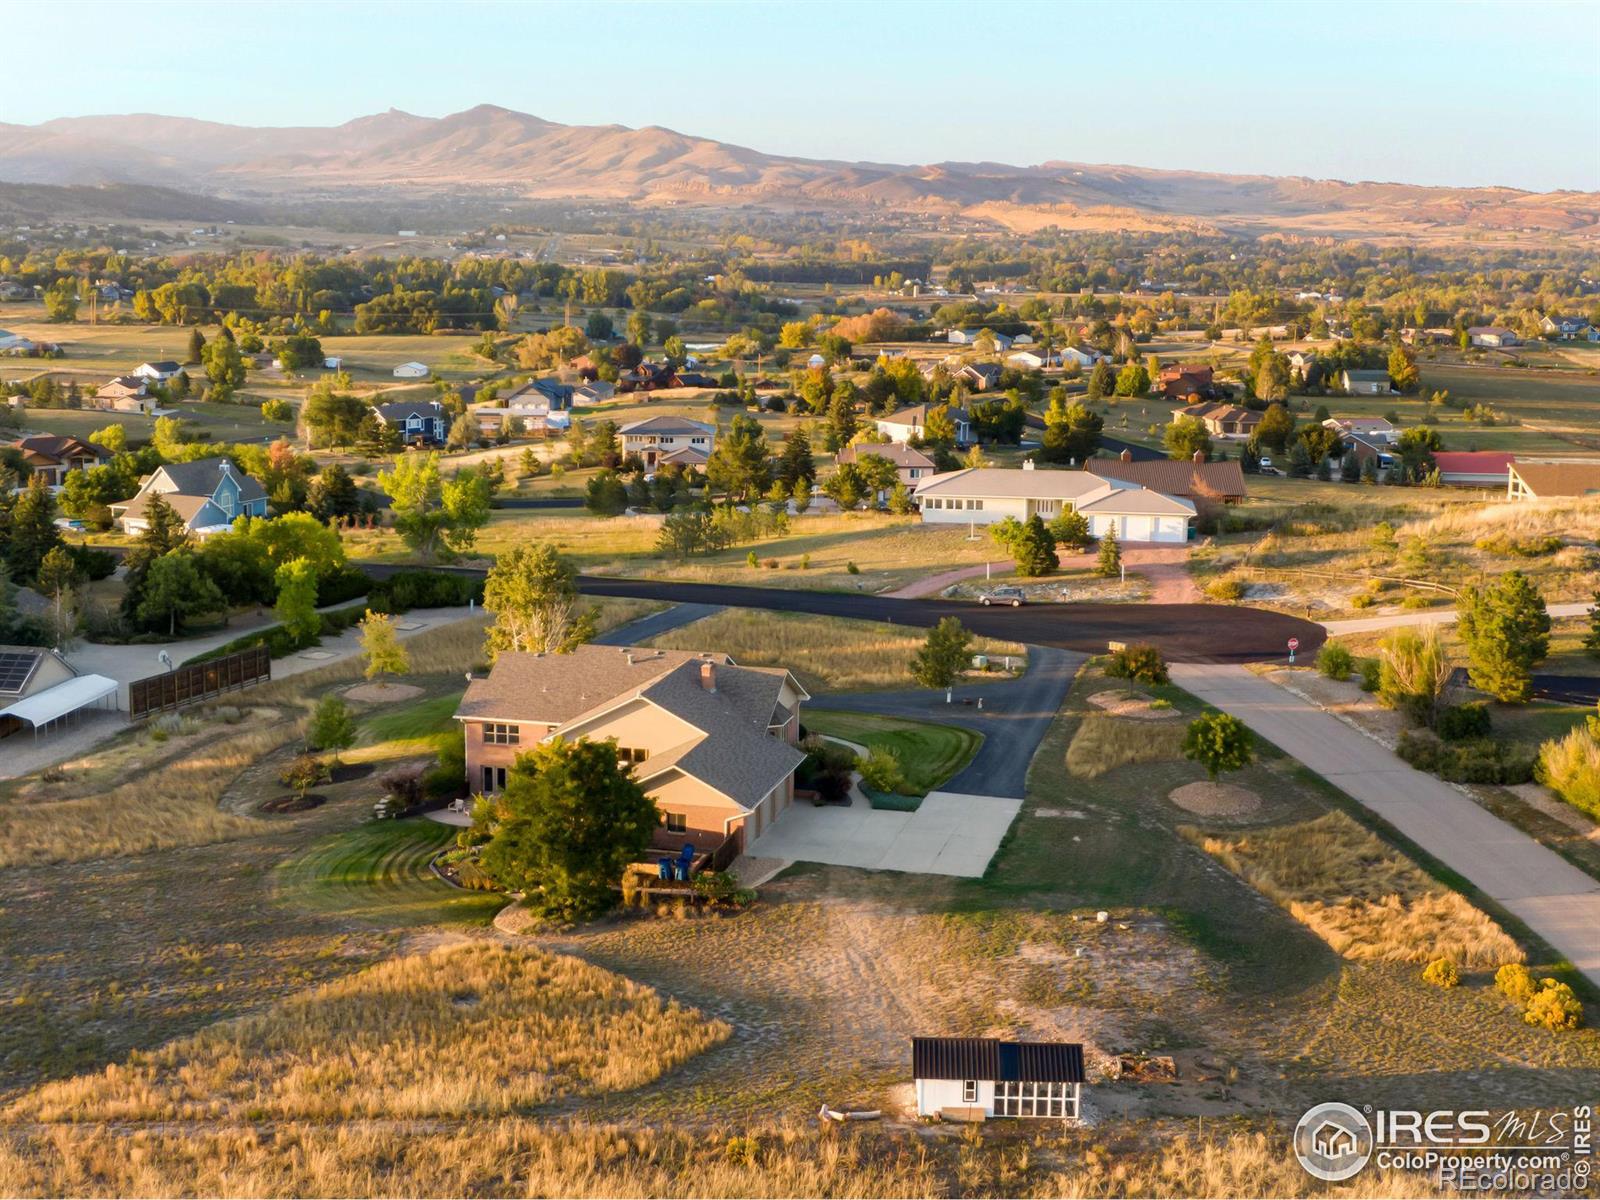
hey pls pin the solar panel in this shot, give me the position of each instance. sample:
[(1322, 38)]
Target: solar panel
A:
[(15, 669)]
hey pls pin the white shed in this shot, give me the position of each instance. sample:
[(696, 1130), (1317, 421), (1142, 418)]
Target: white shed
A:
[(966, 1078), (411, 370)]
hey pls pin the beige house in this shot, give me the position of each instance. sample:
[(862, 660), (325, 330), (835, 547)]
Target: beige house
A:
[(911, 464), (711, 742), (668, 441), (987, 495), (127, 394)]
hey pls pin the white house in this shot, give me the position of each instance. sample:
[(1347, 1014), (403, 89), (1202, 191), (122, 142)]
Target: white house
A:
[(664, 441), (1085, 356), (1033, 360), (912, 422), (988, 495), (971, 1076), (1365, 383), (1492, 336), (158, 372), (411, 370), (332, 363)]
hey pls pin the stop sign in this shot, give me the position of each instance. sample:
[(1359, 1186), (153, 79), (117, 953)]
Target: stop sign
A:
[(1294, 643)]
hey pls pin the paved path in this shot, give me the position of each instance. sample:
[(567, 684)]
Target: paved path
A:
[(1183, 632), (1551, 896), (645, 628), (1013, 720), (934, 584), (949, 834), (1439, 616)]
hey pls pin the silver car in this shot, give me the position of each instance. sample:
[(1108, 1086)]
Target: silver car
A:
[(1013, 596)]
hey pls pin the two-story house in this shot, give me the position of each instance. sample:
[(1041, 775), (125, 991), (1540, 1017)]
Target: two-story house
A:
[(418, 422), (711, 742), (668, 441), (911, 464), (912, 424), (208, 494)]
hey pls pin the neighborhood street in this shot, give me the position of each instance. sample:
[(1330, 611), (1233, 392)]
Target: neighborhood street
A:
[(1551, 896)]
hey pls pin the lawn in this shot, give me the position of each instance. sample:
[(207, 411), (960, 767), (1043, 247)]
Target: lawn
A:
[(410, 726), (928, 753), (378, 872)]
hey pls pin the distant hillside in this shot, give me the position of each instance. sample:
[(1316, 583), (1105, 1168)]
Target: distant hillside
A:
[(34, 202), (402, 153)]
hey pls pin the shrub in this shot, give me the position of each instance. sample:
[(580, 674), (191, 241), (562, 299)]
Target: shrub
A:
[(741, 1151), (1554, 1006), (826, 768), (1334, 661), (721, 887), (1417, 600), (304, 773), (1516, 983), (1481, 760), (423, 589), (1570, 767), (1463, 722), (404, 784), (1227, 587), (346, 583), (1362, 600), (852, 569), (881, 770), (1371, 674), (1441, 972), (1139, 661)]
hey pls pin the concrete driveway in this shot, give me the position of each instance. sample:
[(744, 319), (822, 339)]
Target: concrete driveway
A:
[(949, 834), (1551, 896)]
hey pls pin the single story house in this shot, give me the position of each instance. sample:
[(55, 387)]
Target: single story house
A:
[(711, 742), (593, 392), (1374, 429), (52, 457), (980, 376), (159, 372), (208, 494), (1474, 468), (1365, 383), (1222, 420), (666, 441), (1541, 481), (1033, 360), (1085, 356), (1494, 337), (411, 370), (1190, 478), (988, 495), (988, 1077), (910, 423), (38, 688), (969, 337), (418, 422), (1184, 381), (692, 379), (911, 465)]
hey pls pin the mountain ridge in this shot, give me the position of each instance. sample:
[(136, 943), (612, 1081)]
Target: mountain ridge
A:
[(399, 152)]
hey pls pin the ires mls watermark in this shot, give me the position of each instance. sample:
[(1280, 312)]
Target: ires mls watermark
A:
[(1467, 1150)]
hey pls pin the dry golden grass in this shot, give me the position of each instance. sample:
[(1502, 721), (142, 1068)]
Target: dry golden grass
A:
[(469, 1030), (517, 1157), (825, 653), (1102, 743), (1359, 895)]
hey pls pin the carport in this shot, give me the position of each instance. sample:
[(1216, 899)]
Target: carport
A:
[(62, 703)]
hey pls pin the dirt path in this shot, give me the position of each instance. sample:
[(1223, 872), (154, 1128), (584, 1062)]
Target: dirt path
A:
[(934, 584)]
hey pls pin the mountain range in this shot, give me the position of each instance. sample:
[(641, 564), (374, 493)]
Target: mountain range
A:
[(398, 153)]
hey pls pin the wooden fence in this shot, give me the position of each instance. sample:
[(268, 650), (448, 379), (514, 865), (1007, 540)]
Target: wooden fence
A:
[(192, 684)]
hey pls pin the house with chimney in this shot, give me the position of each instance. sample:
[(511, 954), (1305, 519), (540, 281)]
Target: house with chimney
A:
[(1185, 381), (208, 495), (713, 743), (988, 495)]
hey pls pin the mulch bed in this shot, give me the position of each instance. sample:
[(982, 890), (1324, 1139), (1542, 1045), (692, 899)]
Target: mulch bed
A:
[(292, 804), (345, 772)]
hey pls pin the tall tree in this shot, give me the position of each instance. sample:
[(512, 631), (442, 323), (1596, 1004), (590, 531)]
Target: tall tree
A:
[(1110, 561), (381, 651), (296, 606), (1506, 630), (1101, 381), (570, 820), (740, 465), (436, 518), (175, 589), (797, 463), (197, 346), (533, 593), (33, 532), (1071, 431)]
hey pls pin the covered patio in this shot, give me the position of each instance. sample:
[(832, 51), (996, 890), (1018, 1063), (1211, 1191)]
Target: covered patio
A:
[(59, 706)]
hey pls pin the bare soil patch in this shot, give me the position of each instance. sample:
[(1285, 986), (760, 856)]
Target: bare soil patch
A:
[(383, 693), (1208, 799), (1126, 704), (292, 804)]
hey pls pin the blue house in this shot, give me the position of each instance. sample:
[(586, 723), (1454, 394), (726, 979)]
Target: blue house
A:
[(418, 422), (209, 494)]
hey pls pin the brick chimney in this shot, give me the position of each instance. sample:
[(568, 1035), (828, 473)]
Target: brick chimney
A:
[(1199, 456), (1127, 456), (708, 676)]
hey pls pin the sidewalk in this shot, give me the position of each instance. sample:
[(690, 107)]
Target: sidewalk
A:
[(1439, 616), (1552, 897)]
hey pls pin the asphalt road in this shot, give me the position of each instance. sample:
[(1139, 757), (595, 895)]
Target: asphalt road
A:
[(1568, 689), (1013, 720)]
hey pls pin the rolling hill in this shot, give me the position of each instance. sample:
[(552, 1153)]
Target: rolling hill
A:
[(399, 153)]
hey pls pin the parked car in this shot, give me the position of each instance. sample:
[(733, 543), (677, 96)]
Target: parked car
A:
[(1013, 596)]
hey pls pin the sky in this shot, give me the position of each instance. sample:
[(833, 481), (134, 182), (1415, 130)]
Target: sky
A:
[(1453, 93)]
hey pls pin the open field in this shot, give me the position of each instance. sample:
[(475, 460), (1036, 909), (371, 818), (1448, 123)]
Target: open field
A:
[(476, 1029), (929, 754), (240, 422), (831, 654)]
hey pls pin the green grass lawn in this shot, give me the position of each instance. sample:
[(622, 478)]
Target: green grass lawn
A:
[(378, 872), (413, 725), (929, 753)]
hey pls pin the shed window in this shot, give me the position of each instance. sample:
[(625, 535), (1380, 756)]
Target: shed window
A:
[(969, 1091), (1030, 1099)]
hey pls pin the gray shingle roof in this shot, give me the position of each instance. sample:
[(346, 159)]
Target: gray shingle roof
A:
[(401, 409), (665, 424), (200, 478)]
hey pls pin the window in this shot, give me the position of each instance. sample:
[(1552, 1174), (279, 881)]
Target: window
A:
[(488, 779), (697, 441), (969, 1091), (502, 735), (1012, 1099), (494, 779), (677, 822), (631, 754)]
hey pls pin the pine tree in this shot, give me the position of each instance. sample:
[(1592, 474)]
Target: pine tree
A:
[(796, 463), (1506, 631), (1110, 554), (943, 656), (197, 345)]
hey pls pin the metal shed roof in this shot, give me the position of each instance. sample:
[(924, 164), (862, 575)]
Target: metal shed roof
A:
[(54, 703), (995, 1060)]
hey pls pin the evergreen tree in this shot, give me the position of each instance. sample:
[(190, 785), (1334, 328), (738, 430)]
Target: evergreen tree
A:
[(197, 346), (1218, 742), (740, 465), (1071, 529), (1506, 631), (1101, 381), (1033, 549), (1591, 640), (33, 532), (841, 418), (796, 463), (1071, 431), (1110, 562)]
